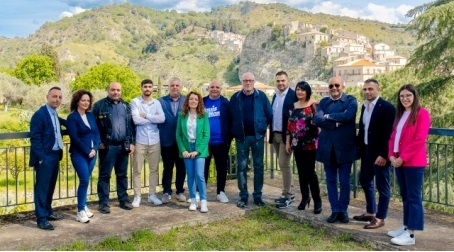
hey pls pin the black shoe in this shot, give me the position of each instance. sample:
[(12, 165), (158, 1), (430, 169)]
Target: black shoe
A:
[(305, 202), (104, 208), (53, 217), (126, 205), (259, 202), (241, 203), (343, 217), (317, 206), (45, 226), (333, 217)]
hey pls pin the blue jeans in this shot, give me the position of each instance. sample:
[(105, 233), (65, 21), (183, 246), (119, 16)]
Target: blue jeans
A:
[(410, 183), (256, 146), (83, 166), (381, 173), (113, 157), (195, 168), (338, 201)]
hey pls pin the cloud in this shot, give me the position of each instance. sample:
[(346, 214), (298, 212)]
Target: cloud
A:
[(370, 11), (72, 11)]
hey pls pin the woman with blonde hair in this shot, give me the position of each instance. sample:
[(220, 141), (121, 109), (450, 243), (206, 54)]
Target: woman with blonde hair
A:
[(193, 135)]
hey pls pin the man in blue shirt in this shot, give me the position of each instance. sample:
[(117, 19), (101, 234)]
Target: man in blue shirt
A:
[(116, 128), (217, 108), (171, 105), (46, 151)]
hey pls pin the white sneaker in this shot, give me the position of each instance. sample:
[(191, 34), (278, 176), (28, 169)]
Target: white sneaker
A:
[(88, 212), (404, 239), (193, 205), (197, 197), (153, 199), (136, 201), (222, 197), (397, 232), (82, 217), (165, 198), (181, 197), (203, 206)]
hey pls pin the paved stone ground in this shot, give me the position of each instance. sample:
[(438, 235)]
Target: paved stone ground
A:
[(19, 231)]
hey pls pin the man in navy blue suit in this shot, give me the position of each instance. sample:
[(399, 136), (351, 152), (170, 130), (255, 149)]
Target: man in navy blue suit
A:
[(46, 152), (171, 105), (337, 147), (375, 127)]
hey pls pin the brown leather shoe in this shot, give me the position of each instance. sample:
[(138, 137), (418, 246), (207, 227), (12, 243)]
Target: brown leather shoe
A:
[(363, 217), (375, 223)]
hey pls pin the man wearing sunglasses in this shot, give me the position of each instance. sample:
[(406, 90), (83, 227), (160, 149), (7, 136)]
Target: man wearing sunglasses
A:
[(337, 147)]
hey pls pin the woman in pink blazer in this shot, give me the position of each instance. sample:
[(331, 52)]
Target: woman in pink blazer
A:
[(407, 153)]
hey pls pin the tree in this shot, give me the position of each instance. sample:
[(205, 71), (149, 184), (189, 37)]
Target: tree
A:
[(35, 70), (434, 26), (48, 50), (11, 90), (99, 77)]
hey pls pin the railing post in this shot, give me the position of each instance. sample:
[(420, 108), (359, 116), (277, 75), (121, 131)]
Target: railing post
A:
[(271, 160)]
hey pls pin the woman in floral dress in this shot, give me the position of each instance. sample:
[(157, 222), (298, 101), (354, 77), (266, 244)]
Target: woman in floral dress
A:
[(302, 137)]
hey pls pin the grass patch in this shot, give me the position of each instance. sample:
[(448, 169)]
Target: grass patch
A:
[(258, 230)]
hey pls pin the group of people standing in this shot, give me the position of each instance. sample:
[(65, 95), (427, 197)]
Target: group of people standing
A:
[(188, 131)]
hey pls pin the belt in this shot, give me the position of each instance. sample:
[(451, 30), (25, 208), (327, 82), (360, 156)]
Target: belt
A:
[(396, 154), (191, 141), (277, 132)]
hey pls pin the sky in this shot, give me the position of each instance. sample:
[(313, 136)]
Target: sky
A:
[(20, 18)]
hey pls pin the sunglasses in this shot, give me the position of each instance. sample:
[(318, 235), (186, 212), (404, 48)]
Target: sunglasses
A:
[(337, 85)]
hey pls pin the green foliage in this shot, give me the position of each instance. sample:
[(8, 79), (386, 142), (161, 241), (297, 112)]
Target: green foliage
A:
[(99, 77), (48, 50), (434, 27), (35, 70)]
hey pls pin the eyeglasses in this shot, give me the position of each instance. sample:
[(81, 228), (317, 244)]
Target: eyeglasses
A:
[(337, 85), (248, 80), (405, 96)]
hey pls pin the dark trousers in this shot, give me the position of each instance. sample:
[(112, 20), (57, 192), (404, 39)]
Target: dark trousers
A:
[(170, 158), (381, 173), (305, 163), (220, 153), (46, 178), (410, 183), (113, 157)]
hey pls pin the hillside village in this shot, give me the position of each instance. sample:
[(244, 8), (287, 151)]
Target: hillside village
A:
[(354, 59)]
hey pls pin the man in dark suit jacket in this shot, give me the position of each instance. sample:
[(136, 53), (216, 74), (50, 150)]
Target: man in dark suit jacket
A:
[(282, 103), (171, 105), (337, 147), (46, 152), (375, 127)]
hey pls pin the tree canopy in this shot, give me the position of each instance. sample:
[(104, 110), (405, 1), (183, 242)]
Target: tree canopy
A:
[(35, 70), (99, 77), (434, 26)]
